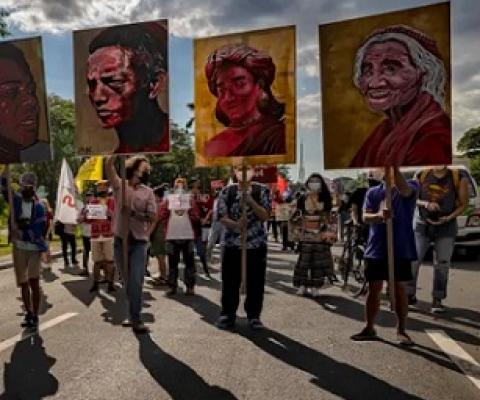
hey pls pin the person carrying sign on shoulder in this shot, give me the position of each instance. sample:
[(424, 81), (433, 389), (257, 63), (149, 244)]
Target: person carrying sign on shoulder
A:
[(443, 196), (230, 214), (376, 213), (138, 213)]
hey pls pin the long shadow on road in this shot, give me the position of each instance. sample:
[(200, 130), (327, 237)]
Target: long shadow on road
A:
[(177, 378), (329, 374), (28, 376)]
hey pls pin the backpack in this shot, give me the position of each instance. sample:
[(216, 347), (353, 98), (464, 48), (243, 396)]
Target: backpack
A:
[(232, 192)]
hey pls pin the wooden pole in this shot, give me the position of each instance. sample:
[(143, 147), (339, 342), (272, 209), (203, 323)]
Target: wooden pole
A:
[(12, 212), (390, 248), (243, 237), (125, 225)]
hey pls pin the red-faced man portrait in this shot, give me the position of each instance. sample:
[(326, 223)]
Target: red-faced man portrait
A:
[(126, 71), (240, 77), (400, 73), (19, 109)]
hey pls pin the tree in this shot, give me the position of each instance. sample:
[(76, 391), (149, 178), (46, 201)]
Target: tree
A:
[(469, 144), (62, 130)]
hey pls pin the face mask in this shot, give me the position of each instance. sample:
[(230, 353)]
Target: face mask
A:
[(144, 178), (315, 186), (102, 194), (28, 193), (179, 189)]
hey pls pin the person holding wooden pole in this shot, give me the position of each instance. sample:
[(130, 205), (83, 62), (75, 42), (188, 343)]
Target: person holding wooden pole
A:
[(137, 212), (377, 214), (256, 199)]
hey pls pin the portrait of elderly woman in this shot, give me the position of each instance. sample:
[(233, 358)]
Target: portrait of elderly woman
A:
[(400, 73), (126, 73), (19, 106), (240, 77)]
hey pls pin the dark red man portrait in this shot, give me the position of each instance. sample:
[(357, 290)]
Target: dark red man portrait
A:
[(19, 108), (126, 72), (240, 77)]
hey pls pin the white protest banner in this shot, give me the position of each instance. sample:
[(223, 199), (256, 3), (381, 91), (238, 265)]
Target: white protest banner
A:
[(96, 211), (179, 201), (66, 210)]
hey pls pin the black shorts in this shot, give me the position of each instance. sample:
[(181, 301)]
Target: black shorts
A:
[(377, 270)]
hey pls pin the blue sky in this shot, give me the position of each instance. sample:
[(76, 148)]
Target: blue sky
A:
[(54, 21)]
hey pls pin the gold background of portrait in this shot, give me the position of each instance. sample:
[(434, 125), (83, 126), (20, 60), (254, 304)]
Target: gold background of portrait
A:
[(90, 137), (347, 120), (279, 43), (32, 50)]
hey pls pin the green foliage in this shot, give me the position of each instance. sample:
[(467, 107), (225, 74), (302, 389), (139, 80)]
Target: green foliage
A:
[(180, 162), (62, 129), (469, 144)]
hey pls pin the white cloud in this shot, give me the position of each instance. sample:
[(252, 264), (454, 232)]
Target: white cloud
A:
[(308, 111)]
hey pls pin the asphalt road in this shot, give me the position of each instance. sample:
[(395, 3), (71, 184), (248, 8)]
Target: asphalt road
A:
[(82, 352)]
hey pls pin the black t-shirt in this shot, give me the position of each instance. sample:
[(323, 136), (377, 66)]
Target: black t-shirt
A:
[(357, 198)]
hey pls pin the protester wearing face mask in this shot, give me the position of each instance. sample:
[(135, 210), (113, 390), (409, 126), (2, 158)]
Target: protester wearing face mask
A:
[(315, 262), (230, 214), (28, 236), (139, 211), (179, 214)]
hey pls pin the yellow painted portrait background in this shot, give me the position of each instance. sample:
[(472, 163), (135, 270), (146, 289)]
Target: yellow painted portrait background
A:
[(279, 43), (347, 120)]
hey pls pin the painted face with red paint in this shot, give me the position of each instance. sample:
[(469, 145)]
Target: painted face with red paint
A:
[(237, 94), (389, 79), (18, 104), (112, 85)]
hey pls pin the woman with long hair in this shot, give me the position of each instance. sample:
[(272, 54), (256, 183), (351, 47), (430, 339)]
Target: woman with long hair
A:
[(315, 261)]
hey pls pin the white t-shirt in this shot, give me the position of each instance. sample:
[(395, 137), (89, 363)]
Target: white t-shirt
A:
[(179, 227)]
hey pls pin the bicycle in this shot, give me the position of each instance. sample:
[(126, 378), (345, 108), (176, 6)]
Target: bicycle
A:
[(351, 262)]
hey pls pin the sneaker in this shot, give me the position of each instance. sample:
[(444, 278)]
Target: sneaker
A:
[(255, 324), (316, 292), (140, 328), (404, 340), (412, 300), (84, 273), (224, 322), (27, 322), (365, 335), (437, 307), (302, 291), (171, 292), (127, 323), (75, 264)]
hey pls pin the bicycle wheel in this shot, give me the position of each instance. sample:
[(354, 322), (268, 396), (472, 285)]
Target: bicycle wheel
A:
[(359, 273)]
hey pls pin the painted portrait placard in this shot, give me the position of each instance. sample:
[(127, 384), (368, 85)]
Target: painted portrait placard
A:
[(121, 89), (386, 89), (245, 98), (24, 132)]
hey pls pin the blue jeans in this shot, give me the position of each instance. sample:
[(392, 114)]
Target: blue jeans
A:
[(443, 248), (137, 258)]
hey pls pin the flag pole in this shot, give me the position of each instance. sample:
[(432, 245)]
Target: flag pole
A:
[(390, 246), (125, 225), (243, 237), (12, 212)]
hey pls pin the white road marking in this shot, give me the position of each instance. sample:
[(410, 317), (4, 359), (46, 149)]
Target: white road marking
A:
[(21, 336), (460, 357)]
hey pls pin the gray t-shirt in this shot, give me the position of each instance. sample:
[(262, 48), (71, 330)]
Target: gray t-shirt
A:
[(442, 191)]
